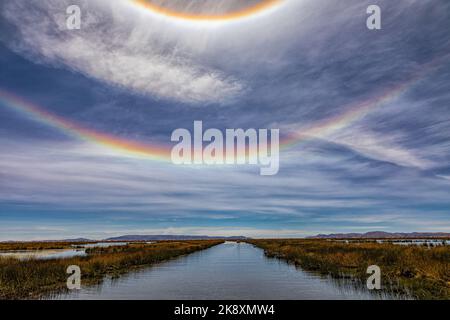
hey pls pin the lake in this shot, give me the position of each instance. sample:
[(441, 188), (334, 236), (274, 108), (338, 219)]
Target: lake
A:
[(43, 254), (77, 251), (100, 245), (227, 271)]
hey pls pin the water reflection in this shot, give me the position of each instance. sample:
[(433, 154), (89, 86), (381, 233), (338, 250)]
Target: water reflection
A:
[(77, 251), (418, 242), (100, 245), (43, 254), (404, 242), (228, 271)]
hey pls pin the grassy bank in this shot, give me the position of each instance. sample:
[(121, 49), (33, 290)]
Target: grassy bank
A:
[(422, 272), (35, 278)]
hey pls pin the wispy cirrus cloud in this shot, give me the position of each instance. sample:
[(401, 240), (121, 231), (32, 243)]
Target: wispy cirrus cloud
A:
[(131, 56), (382, 147)]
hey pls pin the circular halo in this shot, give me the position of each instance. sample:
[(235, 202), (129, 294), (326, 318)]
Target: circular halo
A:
[(242, 12)]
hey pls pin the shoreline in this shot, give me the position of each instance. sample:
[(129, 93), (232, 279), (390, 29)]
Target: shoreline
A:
[(33, 279), (415, 271)]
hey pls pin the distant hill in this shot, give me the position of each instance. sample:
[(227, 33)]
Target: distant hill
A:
[(382, 235), (76, 240), (168, 237)]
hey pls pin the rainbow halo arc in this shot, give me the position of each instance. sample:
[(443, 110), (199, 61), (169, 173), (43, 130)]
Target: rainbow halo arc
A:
[(176, 14)]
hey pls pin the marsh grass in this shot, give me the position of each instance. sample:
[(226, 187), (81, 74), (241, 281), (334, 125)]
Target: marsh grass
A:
[(33, 278), (418, 271)]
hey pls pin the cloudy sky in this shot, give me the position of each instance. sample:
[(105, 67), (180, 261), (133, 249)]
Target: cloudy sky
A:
[(366, 114)]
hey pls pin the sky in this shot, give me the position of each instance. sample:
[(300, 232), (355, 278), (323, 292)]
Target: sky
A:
[(364, 117)]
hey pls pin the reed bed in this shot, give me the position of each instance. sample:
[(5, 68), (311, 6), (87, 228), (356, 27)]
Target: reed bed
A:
[(419, 272), (30, 279)]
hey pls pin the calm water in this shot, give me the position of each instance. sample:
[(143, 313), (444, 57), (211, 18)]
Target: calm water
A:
[(418, 242), (100, 245), (43, 254), (78, 250), (408, 242), (227, 271)]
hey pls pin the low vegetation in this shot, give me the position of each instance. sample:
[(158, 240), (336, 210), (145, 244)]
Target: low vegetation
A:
[(34, 278), (420, 272)]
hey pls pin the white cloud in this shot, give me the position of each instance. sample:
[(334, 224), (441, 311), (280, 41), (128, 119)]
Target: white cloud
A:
[(136, 57), (373, 145), (383, 147)]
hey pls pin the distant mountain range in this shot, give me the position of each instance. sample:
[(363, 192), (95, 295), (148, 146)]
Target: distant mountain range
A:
[(169, 237), (75, 240), (382, 235), (368, 235)]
